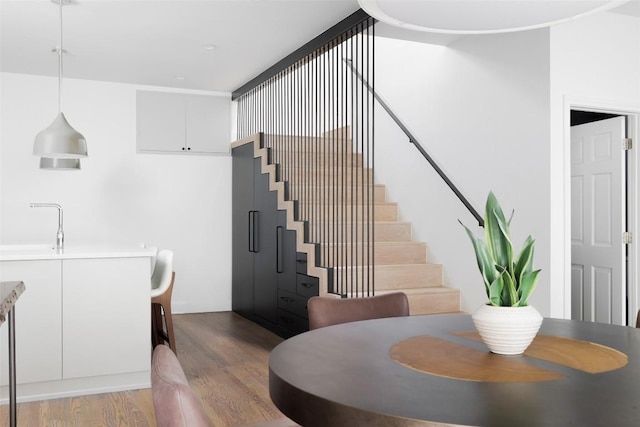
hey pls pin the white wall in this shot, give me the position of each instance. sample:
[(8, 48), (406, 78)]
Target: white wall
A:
[(480, 107), (180, 202), (595, 62)]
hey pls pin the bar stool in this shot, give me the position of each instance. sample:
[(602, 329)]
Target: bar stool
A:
[(161, 289)]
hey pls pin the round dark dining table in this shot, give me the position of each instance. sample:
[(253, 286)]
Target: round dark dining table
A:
[(435, 371)]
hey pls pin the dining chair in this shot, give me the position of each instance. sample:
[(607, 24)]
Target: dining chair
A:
[(162, 281), (326, 311), (175, 404), (638, 320)]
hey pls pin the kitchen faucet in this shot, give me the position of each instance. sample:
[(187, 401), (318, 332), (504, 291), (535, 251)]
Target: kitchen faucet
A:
[(60, 233)]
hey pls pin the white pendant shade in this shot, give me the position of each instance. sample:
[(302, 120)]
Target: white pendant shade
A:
[(48, 163), (60, 146), (60, 141)]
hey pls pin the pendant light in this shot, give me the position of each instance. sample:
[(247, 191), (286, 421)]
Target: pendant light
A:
[(60, 146), (59, 164)]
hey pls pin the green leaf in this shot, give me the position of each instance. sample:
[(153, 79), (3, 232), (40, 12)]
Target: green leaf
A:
[(495, 291), (524, 263), (506, 245), (496, 229), (483, 258), (527, 286), (509, 291), (507, 281)]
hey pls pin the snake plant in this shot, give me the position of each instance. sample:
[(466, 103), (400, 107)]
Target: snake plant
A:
[(508, 281)]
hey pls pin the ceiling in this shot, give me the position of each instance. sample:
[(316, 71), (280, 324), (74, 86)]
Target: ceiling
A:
[(151, 42), (155, 42)]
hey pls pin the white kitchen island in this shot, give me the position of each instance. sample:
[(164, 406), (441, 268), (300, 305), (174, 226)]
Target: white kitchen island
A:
[(84, 324)]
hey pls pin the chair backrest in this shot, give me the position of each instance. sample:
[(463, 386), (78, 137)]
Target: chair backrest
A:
[(153, 257), (153, 249), (161, 277), (325, 311), (638, 320), (175, 404)]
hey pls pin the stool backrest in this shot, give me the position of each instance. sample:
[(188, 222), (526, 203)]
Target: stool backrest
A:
[(161, 277)]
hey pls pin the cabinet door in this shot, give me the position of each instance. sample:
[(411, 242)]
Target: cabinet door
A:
[(160, 121), (265, 280), (208, 124), (242, 214), (106, 316), (38, 321), (286, 254)]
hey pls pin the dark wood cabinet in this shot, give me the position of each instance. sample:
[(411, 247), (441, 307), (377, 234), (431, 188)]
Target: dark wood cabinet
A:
[(269, 281), (265, 250), (241, 226)]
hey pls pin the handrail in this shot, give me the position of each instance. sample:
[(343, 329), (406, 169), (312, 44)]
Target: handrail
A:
[(415, 142)]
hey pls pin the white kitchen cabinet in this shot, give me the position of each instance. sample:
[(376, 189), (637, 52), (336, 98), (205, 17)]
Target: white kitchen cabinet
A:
[(105, 316), (83, 323), (38, 321), (175, 122)]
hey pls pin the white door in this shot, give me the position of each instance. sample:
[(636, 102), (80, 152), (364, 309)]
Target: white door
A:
[(598, 220)]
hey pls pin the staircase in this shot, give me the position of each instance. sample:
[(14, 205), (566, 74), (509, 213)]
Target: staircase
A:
[(322, 187)]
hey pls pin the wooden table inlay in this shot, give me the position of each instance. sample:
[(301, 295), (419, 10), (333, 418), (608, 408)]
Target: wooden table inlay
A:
[(447, 359), (576, 354)]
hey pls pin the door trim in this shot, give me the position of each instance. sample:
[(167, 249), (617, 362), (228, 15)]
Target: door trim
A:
[(633, 115)]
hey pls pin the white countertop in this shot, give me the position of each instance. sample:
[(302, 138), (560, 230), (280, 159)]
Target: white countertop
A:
[(30, 252)]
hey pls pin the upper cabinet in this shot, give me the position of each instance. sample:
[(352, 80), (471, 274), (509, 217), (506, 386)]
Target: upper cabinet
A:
[(170, 122)]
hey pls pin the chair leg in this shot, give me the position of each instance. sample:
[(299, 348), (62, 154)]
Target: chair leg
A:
[(156, 325), (154, 333), (169, 321), (160, 304)]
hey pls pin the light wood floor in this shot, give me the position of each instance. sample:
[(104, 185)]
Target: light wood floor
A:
[(225, 358)]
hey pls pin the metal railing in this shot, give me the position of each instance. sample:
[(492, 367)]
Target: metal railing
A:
[(317, 120)]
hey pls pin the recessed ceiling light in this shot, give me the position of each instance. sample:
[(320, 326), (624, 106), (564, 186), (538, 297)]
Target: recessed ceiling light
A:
[(209, 46), (179, 77), (480, 16)]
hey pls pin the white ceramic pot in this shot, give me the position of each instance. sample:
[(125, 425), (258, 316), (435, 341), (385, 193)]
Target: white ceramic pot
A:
[(507, 330)]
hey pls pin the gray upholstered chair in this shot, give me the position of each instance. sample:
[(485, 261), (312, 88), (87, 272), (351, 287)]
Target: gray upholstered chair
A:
[(175, 404), (325, 311)]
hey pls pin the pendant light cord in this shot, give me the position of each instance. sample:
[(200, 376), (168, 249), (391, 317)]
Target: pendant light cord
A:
[(60, 52)]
